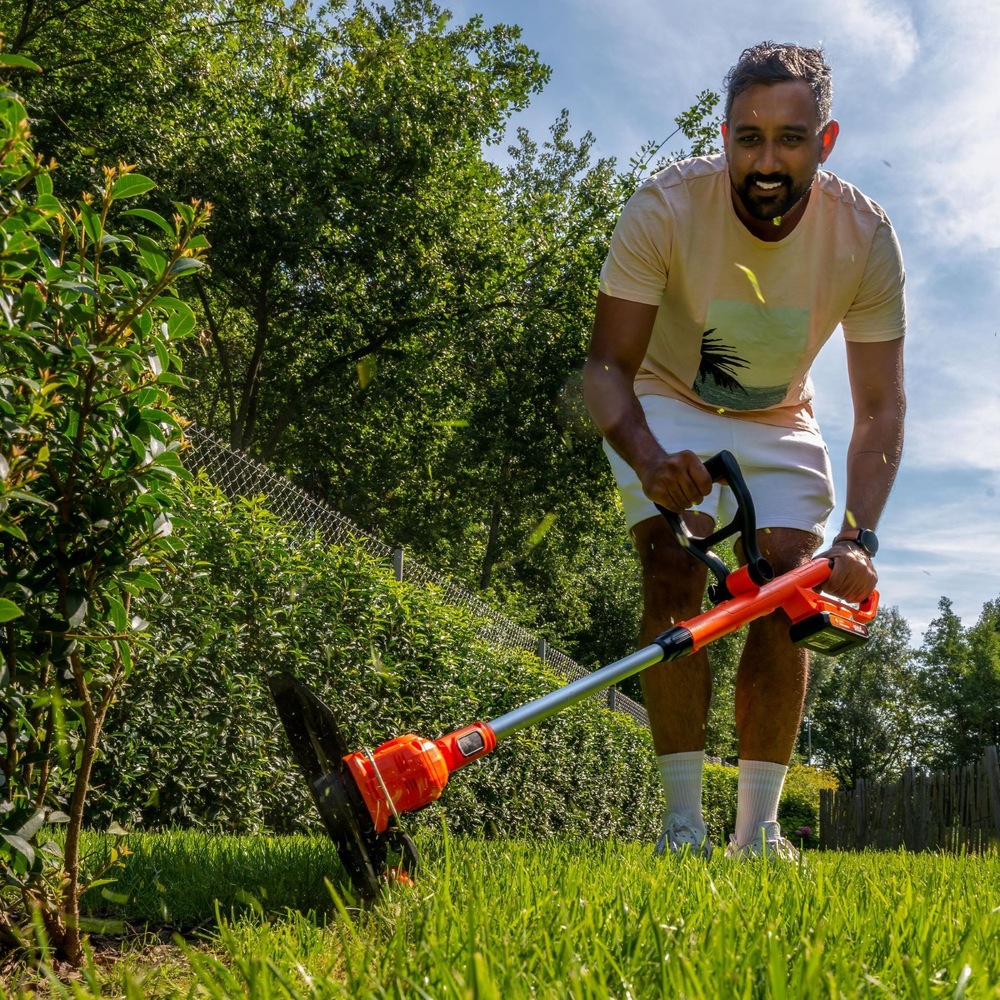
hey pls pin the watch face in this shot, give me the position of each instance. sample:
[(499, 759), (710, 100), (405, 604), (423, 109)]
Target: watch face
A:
[(868, 541)]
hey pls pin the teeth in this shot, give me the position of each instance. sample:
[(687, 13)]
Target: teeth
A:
[(769, 185)]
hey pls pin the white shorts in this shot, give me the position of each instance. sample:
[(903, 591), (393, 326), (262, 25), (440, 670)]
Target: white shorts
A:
[(787, 470)]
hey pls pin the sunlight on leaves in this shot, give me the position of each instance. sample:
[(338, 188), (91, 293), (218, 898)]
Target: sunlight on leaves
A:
[(541, 530), (9, 610)]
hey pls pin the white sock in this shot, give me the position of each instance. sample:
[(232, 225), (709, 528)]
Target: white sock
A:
[(758, 791), (681, 776)]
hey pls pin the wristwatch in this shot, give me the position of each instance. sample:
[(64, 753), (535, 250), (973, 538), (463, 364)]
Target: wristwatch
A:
[(864, 537)]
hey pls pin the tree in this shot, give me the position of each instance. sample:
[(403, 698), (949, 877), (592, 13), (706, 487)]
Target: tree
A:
[(944, 660), (960, 677), (401, 328), (362, 133), (866, 715), (981, 691)]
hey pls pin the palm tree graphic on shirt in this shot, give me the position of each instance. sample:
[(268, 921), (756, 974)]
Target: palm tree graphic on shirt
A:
[(721, 364)]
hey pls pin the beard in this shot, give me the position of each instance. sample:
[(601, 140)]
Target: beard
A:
[(773, 205)]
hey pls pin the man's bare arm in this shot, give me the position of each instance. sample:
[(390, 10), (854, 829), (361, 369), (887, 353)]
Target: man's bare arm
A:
[(876, 377), (618, 345)]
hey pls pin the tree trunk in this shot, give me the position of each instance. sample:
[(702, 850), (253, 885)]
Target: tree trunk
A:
[(222, 351), (492, 553), (246, 416), (70, 946)]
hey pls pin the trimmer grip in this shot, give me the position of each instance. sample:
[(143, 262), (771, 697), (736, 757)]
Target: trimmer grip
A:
[(867, 609), (723, 468)]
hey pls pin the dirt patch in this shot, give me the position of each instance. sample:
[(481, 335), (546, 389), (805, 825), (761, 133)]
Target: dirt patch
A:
[(149, 954)]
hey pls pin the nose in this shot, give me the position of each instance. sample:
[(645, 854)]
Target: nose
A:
[(768, 157)]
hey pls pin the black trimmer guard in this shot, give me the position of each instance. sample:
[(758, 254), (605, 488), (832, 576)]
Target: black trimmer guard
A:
[(319, 748)]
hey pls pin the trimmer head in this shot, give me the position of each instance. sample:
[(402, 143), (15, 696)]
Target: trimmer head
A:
[(319, 748)]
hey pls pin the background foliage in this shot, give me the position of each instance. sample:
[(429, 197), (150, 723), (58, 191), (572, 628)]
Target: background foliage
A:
[(195, 741), (391, 317)]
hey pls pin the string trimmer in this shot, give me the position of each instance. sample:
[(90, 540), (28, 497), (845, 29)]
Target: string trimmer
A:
[(361, 795)]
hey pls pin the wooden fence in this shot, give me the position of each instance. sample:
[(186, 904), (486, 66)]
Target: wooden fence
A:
[(948, 810)]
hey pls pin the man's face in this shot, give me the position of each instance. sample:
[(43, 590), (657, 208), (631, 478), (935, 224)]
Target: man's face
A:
[(774, 145)]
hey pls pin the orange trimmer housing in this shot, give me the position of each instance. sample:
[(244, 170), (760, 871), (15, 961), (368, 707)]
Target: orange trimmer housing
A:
[(410, 772), (794, 593)]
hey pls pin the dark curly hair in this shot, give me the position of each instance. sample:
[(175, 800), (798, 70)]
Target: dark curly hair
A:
[(776, 62)]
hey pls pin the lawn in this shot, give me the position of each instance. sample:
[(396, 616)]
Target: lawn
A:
[(228, 916)]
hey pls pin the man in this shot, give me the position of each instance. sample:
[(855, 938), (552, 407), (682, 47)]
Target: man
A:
[(725, 277)]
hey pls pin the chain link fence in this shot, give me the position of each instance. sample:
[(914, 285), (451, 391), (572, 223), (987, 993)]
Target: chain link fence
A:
[(237, 474)]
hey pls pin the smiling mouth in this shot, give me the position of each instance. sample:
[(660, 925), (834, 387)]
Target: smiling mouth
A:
[(768, 185)]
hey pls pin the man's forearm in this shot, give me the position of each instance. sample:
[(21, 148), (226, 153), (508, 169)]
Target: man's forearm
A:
[(618, 415), (872, 462)]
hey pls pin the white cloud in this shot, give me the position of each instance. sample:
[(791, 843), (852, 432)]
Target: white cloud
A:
[(934, 547), (878, 34), (954, 433), (949, 124)]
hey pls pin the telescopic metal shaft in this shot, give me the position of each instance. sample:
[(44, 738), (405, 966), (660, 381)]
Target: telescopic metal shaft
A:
[(570, 694)]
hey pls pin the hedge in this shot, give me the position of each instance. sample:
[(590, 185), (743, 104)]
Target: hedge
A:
[(195, 740)]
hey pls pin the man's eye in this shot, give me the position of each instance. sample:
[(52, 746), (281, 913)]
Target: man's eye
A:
[(792, 139), (748, 140)]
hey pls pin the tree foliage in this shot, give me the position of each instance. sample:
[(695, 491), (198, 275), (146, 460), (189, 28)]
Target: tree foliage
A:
[(866, 718), (390, 317), (196, 741), (960, 680)]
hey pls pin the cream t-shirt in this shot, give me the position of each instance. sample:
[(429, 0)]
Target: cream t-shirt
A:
[(740, 320)]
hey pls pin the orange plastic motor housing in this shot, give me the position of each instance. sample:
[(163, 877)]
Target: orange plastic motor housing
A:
[(409, 771)]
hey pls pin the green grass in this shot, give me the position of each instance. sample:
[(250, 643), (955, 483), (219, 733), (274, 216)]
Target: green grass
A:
[(506, 920)]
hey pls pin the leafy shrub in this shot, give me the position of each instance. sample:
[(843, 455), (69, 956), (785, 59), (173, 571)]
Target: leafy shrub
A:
[(799, 805), (719, 801), (88, 441), (195, 741)]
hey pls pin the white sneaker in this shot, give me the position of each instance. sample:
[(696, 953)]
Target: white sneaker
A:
[(769, 844), (683, 835)]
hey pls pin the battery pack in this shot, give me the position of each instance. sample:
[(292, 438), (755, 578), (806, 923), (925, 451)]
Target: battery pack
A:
[(828, 633)]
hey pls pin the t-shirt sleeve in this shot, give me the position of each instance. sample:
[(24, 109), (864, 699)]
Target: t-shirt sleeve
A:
[(879, 309), (636, 265)]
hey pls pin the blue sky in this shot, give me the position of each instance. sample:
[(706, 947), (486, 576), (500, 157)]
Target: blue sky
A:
[(917, 95)]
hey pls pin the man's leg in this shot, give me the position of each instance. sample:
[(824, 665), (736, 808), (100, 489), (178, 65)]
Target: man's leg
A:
[(770, 691), (677, 694)]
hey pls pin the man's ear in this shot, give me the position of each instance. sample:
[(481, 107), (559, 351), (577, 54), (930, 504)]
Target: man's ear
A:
[(725, 131), (829, 139)]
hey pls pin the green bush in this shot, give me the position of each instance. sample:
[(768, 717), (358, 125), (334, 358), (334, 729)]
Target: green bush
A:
[(800, 800), (195, 740), (89, 441), (719, 801), (799, 805)]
